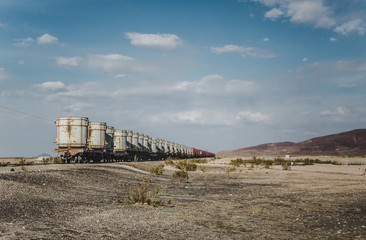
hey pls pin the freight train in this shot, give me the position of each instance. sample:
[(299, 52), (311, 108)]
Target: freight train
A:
[(79, 141)]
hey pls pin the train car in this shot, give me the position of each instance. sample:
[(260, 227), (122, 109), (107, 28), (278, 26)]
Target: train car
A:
[(200, 153), (79, 140)]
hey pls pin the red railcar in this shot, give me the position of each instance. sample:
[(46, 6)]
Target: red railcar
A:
[(201, 153)]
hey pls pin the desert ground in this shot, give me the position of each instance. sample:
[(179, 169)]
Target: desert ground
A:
[(219, 201)]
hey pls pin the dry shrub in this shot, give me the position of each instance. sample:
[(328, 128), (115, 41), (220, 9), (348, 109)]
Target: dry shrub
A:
[(237, 162), (202, 168), (157, 170), (180, 176), (229, 170), (198, 160), (142, 194), (286, 166), (169, 161), (56, 160), (186, 166)]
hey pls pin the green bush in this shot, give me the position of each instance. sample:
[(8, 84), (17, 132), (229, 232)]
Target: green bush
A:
[(157, 170), (180, 176)]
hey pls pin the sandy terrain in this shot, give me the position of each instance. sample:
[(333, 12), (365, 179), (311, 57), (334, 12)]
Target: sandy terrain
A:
[(78, 201)]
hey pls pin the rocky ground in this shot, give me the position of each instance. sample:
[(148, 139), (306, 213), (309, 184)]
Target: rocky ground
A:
[(78, 201)]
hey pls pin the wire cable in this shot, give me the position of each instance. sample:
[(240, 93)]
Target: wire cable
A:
[(27, 114)]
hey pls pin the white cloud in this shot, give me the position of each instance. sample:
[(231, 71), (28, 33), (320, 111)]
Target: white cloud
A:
[(21, 62), (319, 14), (3, 76), (340, 111), (244, 51), (305, 59), (77, 107), (72, 61), (215, 85), (154, 41), (332, 39), (356, 25), (2, 25), (196, 116), (115, 65), (266, 39), (50, 86), (47, 39), (311, 11), (25, 42), (254, 116), (273, 14)]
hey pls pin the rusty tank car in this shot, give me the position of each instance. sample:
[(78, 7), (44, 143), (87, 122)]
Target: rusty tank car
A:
[(79, 140)]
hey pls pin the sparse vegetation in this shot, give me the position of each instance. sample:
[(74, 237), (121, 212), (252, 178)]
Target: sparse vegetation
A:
[(157, 170), (255, 161), (142, 194), (202, 168), (268, 164), (12, 170), (23, 162), (237, 162), (286, 166), (169, 161), (186, 166), (229, 170), (135, 158), (56, 160), (197, 160), (45, 161), (180, 176)]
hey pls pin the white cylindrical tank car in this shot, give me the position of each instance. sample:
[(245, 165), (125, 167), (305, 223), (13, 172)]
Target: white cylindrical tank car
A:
[(72, 132), (96, 135), (145, 142), (135, 140), (124, 140), (79, 140), (109, 137), (141, 142), (129, 139), (153, 145), (117, 140)]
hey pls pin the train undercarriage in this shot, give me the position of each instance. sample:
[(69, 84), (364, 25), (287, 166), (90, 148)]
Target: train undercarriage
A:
[(80, 155)]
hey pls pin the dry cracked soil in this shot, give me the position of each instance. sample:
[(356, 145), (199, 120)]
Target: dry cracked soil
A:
[(78, 201)]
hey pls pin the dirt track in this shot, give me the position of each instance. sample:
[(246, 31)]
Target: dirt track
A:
[(79, 202)]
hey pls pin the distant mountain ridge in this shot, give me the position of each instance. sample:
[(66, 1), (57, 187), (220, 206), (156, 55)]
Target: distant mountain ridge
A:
[(351, 143)]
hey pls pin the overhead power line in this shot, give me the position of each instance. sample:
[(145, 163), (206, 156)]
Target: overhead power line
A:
[(27, 114)]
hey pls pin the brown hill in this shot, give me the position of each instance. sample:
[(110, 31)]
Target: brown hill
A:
[(352, 143)]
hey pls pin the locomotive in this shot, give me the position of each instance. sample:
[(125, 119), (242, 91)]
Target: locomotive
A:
[(79, 141)]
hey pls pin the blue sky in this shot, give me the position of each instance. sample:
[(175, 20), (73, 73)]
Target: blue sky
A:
[(216, 75)]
